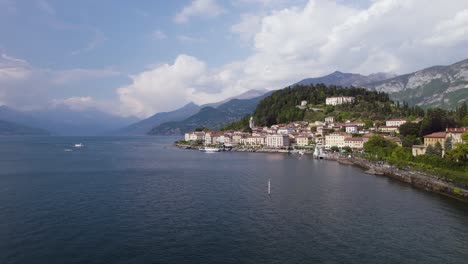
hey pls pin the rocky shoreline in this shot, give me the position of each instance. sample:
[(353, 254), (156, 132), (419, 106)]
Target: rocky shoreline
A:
[(414, 178)]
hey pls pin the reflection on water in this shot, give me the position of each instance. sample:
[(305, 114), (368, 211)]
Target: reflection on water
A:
[(140, 200)]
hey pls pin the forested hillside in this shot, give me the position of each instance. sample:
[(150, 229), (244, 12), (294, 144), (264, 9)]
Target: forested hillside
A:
[(281, 106)]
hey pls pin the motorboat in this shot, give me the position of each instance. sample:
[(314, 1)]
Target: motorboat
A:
[(210, 149)]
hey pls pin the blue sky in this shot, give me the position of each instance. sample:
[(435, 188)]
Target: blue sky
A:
[(141, 57)]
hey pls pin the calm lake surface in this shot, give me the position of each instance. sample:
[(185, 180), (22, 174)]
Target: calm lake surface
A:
[(140, 200)]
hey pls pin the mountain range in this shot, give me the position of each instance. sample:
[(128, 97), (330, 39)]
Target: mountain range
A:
[(211, 117), (11, 128), (347, 79), (173, 117), (61, 120), (437, 86)]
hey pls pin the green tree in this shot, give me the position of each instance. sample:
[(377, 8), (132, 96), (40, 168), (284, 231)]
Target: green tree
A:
[(438, 149), (334, 149), (430, 150), (448, 144), (379, 147), (436, 120), (347, 149), (410, 129)]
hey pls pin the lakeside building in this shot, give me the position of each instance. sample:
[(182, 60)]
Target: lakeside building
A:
[(395, 122), (303, 140), (441, 137), (355, 142), (335, 139), (195, 136), (456, 133), (389, 129), (339, 100), (432, 139), (351, 129), (417, 150), (277, 141), (253, 141)]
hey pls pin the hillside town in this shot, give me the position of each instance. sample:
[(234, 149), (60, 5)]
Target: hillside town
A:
[(329, 134)]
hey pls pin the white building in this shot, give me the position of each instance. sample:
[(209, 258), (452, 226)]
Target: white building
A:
[(330, 120), (335, 139), (285, 130), (251, 123), (395, 122), (352, 129), (254, 141), (455, 134), (302, 140), (355, 142), (195, 136), (277, 141), (339, 100), (389, 129)]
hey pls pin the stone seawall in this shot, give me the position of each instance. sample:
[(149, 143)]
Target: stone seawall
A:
[(417, 179)]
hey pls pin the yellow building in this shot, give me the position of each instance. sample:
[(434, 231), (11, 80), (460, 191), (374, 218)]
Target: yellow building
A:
[(432, 139)]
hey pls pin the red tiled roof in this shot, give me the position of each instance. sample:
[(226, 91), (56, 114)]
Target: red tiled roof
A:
[(457, 129), (436, 135), (354, 139)]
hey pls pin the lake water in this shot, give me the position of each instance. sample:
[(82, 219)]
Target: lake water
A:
[(140, 200)]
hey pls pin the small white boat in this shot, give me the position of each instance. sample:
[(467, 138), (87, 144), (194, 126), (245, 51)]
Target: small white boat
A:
[(301, 152), (210, 149), (79, 145)]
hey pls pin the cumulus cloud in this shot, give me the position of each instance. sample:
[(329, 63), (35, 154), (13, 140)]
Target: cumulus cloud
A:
[(205, 8), (314, 39), (247, 27), (84, 103), (169, 86)]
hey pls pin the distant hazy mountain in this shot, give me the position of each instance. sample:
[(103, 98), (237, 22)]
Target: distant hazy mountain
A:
[(247, 95), (346, 79), (12, 129), (63, 121), (444, 86), (211, 117), (144, 126)]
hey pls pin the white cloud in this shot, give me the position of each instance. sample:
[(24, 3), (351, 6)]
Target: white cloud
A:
[(25, 87), (205, 8), (159, 35), (247, 27), (84, 103), (169, 86), (307, 41), (189, 39), (450, 32)]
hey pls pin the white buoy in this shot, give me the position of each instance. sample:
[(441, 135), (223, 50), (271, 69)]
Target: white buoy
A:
[(269, 187)]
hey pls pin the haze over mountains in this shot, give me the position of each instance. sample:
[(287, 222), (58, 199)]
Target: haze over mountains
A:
[(441, 86), (64, 121), (144, 126)]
